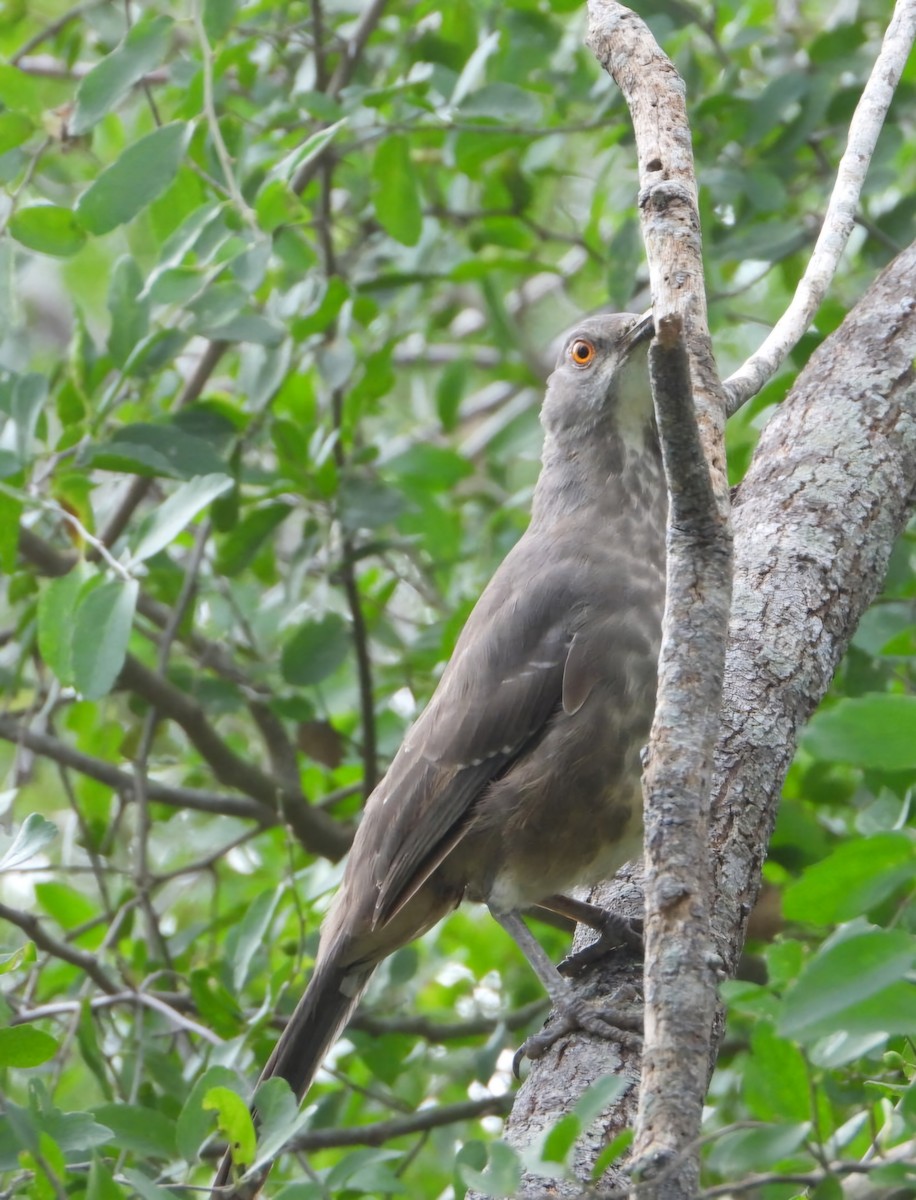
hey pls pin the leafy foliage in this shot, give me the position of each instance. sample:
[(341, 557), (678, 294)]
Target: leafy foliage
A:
[(279, 283)]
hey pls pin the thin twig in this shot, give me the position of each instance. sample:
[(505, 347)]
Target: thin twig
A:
[(33, 929), (347, 568), (142, 875), (839, 219), (72, 520), (441, 1031), (122, 782), (383, 1131), (315, 829), (53, 28), (216, 134), (343, 73), (353, 50)]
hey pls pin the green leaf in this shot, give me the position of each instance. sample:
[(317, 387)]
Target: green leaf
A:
[(315, 650), (10, 515), (170, 518), (313, 145), (135, 1127), (600, 1095), (368, 503), (218, 17), (165, 450), (745, 1150), (216, 1005), (280, 1119), (324, 310), (24, 956), (434, 468), (34, 834), (504, 102), (87, 1037), (611, 1152), (49, 229), (30, 392), (858, 875), (245, 327), (277, 204), (240, 546), (174, 285), (252, 935), (828, 1189), (855, 982), (561, 1139), (775, 1079), (155, 351), (74, 1132), (502, 1175), (65, 904), (396, 200), (15, 128), (19, 90), (101, 629), (764, 241), (195, 1126), (877, 731), (101, 1185), (134, 180), (450, 390), (365, 1170), (145, 1187), (56, 605), (235, 1123), (129, 314), (113, 77), (25, 1046)]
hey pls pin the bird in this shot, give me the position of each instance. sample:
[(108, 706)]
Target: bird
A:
[(520, 780)]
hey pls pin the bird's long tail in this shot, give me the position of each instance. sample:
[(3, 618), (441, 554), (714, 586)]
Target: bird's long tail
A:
[(328, 1003)]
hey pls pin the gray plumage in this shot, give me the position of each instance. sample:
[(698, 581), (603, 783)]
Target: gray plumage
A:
[(520, 780)]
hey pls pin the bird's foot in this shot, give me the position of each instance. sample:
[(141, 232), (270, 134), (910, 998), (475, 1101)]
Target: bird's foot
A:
[(620, 1022), (615, 931)]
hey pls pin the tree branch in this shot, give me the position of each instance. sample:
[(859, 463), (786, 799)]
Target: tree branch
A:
[(839, 219), (419, 1122), (87, 963), (47, 746), (438, 1031), (138, 999), (343, 73), (679, 980), (317, 832), (52, 29), (839, 453)]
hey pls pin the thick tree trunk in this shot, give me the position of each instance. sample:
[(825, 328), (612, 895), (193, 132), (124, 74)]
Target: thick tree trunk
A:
[(830, 487)]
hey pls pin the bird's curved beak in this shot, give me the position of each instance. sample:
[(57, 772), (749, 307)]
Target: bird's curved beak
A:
[(642, 331)]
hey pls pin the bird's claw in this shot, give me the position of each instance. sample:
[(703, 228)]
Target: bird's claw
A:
[(617, 1023), (617, 931)]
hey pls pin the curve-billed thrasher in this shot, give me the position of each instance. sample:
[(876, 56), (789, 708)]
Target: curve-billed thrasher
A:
[(520, 780)]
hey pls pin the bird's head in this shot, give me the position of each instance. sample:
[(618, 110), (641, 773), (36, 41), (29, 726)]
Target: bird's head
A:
[(602, 377)]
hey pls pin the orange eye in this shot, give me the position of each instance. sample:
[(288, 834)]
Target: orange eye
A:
[(582, 352)]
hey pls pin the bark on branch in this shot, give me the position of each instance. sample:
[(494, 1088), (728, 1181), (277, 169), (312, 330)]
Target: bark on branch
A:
[(829, 489), (680, 995)]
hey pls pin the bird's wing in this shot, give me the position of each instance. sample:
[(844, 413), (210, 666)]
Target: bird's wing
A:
[(504, 681)]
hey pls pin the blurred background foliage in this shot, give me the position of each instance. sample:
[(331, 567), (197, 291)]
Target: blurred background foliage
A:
[(279, 287)]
